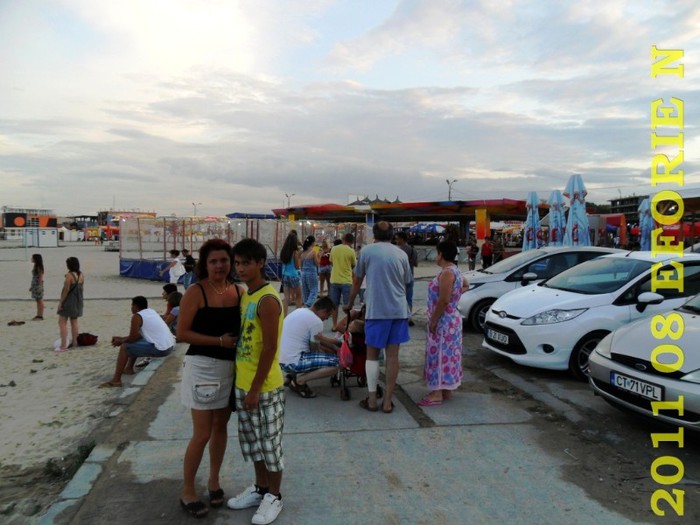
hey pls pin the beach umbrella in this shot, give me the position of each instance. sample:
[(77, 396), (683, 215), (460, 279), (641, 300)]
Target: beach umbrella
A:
[(577, 222), (646, 224), (532, 222), (557, 218)]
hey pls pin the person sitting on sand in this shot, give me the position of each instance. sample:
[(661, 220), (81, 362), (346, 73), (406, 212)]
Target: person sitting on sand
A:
[(149, 336), (174, 305), (167, 290)]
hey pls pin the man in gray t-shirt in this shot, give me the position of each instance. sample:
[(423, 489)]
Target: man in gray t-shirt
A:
[(402, 242), (387, 272)]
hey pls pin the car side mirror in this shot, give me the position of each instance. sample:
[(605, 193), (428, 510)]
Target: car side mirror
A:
[(528, 278), (647, 298)]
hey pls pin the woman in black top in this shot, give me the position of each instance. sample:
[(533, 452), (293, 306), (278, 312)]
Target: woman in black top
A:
[(70, 305), (210, 321)]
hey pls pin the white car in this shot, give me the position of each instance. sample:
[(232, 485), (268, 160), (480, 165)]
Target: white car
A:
[(622, 373), (558, 323), (485, 286)]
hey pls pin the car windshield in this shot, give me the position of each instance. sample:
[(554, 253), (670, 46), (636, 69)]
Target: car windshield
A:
[(693, 305), (514, 261), (598, 276)]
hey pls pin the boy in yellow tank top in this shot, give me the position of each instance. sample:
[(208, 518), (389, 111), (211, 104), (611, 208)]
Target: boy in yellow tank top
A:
[(259, 386)]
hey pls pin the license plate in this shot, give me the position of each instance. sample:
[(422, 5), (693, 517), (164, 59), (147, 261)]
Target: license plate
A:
[(641, 388), (497, 336)]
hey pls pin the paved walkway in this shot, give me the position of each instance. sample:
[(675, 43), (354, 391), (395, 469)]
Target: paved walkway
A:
[(476, 460)]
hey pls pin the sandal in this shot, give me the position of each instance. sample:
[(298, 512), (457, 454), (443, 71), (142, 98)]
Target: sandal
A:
[(427, 402), (143, 363), (37, 318), (365, 404), (196, 509), (216, 498), (303, 390), (390, 409)]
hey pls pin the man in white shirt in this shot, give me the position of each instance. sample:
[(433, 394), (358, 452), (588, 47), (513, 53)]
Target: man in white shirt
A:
[(149, 336), (301, 354)]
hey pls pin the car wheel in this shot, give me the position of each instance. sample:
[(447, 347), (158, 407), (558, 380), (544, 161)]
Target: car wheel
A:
[(578, 362), (477, 317)]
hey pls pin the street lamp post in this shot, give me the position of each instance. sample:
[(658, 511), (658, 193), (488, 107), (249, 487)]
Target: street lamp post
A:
[(289, 198), (449, 188), (195, 204)]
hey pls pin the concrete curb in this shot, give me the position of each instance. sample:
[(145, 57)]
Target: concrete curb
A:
[(91, 469)]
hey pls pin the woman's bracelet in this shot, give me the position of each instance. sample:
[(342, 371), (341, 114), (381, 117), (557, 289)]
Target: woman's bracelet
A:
[(221, 340)]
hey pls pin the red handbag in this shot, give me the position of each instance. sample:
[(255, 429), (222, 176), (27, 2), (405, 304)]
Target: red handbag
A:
[(87, 339), (345, 353)]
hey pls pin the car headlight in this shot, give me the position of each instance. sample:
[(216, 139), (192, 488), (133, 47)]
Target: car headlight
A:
[(604, 346), (553, 316)]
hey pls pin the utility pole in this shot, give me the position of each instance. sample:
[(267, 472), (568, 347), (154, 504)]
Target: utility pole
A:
[(449, 188), (289, 198)]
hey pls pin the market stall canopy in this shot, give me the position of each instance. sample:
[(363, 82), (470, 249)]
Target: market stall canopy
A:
[(498, 209)]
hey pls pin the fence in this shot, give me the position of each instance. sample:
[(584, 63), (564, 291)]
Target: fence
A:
[(146, 242)]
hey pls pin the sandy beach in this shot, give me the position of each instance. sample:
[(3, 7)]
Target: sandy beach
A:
[(49, 402)]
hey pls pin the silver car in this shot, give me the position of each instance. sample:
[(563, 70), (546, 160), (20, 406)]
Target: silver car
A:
[(621, 370)]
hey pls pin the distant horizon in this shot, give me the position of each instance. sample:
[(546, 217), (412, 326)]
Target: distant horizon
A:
[(253, 212)]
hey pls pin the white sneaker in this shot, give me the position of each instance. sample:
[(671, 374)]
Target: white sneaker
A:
[(269, 509), (250, 497)]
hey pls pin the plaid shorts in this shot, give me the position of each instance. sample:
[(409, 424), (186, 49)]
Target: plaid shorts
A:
[(309, 361), (260, 431)]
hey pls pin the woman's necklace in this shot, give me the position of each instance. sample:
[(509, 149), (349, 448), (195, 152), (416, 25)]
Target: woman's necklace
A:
[(222, 292)]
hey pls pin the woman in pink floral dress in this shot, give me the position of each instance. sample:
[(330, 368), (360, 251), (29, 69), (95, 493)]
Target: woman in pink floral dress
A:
[(443, 347)]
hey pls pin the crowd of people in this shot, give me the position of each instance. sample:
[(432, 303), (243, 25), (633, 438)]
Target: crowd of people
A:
[(247, 342)]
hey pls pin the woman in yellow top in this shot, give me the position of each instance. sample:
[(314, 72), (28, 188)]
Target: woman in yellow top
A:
[(259, 384)]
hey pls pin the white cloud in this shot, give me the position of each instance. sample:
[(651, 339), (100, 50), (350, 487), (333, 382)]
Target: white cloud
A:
[(234, 103)]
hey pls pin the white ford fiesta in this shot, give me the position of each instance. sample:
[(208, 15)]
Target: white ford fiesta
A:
[(557, 324), (521, 269)]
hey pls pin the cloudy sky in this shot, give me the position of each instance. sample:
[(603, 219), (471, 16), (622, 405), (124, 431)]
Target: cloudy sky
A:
[(159, 104)]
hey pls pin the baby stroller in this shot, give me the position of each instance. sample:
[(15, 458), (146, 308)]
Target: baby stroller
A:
[(358, 347)]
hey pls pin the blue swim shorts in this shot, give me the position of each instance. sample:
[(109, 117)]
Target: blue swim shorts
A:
[(382, 332)]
